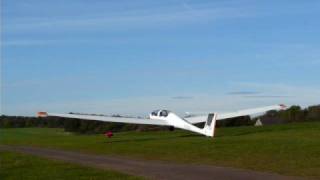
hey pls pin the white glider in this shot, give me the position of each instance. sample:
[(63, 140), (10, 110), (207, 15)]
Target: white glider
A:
[(167, 118)]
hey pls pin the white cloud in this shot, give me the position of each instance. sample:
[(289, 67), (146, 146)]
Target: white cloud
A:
[(141, 106), (143, 18), (39, 42), (27, 42), (294, 94), (130, 106)]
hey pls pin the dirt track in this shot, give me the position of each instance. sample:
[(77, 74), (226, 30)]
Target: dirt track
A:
[(149, 169)]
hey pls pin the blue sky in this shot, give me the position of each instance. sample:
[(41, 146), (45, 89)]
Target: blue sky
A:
[(131, 57)]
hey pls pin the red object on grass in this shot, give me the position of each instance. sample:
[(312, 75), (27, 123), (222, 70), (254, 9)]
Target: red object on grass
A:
[(109, 134)]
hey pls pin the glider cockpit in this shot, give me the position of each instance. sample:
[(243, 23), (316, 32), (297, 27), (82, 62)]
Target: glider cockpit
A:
[(159, 114)]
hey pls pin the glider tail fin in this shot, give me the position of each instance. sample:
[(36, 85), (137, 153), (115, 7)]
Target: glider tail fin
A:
[(210, 125)]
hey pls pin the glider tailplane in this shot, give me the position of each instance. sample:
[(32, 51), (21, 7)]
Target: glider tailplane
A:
[(210, 125)]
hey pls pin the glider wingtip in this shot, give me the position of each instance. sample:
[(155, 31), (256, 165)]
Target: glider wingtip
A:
[(42, 114)]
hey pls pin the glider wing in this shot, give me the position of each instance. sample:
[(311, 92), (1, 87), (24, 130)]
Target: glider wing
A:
[(246, 112), (108, 118)]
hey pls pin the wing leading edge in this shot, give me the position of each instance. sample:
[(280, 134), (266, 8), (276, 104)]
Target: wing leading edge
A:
[(246, 112), (192, 120), (108, 119)]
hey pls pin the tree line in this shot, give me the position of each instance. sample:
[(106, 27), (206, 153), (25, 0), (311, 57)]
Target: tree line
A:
[(292, 114), (72, 125)]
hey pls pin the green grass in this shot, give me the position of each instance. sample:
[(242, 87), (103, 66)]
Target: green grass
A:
[(20, 166), (292, 149)]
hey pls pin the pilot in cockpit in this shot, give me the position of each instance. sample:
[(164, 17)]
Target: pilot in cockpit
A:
[(161, 113)]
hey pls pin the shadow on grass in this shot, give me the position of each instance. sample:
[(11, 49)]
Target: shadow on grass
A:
[(182, 136), (256, 130), (142, 139)]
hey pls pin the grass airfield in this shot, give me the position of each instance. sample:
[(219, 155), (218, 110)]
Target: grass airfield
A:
[(292, 149), (21, 166)]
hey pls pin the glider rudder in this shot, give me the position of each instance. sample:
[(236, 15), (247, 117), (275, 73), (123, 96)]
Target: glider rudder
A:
[(210, 125)]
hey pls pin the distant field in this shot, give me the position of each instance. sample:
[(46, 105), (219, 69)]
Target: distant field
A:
[(292, 149), (20, 166)]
